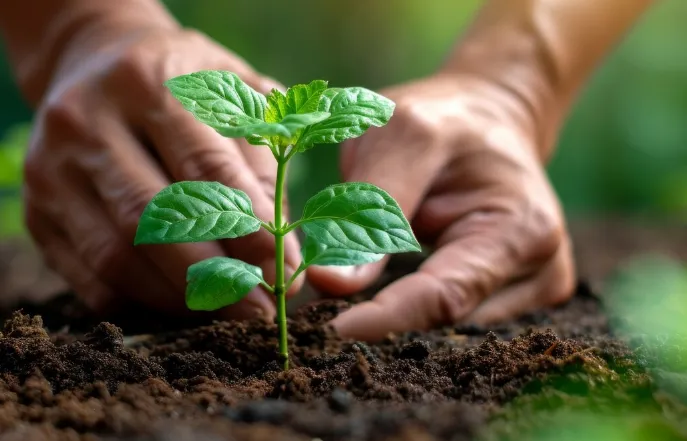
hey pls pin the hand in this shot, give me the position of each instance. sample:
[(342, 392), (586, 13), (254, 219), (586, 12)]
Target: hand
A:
[(108, 137), (468, 175)]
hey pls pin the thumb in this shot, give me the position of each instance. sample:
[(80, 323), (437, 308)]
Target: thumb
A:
[(475, 258), (402, 160)]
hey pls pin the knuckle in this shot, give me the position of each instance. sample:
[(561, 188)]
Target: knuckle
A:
[(411, 120), (135, 70), (63, 113), (546, 233), (456, 297), (131, 64), (454, 300)]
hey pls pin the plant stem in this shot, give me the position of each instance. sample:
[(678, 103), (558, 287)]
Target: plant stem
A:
[(293, 277), (267, 227), (279, 287), (267, 287), (289, 228)]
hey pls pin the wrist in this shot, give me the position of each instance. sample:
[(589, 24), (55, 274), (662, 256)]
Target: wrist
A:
[(514, 68), (72, 33)]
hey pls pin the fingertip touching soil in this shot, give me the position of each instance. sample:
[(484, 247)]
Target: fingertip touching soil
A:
[(72, 378)]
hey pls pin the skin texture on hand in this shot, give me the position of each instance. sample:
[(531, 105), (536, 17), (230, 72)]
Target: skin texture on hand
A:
[(39, 33), (463, 155), (107, 138), (473, 185), (541, 52)]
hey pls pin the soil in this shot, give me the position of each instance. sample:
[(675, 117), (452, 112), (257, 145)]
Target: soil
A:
[(67, 376)]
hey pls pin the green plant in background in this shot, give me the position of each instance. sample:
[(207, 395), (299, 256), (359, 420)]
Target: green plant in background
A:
[(647, 295), (344, 224), (645, 300), (12, 149)]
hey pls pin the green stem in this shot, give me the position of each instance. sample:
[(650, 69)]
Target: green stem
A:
[(279, 287), (289, 228), (291, 153), (294, 276), (268, 227)]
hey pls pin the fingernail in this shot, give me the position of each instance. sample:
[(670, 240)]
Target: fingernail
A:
[(353, 270), (344, 271)]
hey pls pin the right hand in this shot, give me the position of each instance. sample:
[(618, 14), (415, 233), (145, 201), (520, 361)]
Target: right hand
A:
[(474, 188), (107, 138)]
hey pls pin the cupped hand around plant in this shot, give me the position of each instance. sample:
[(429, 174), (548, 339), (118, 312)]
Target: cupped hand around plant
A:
[(108, 137), (461, 159)]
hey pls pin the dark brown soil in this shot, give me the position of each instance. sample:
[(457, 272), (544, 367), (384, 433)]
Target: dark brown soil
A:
[(222, 381), (66, 376)]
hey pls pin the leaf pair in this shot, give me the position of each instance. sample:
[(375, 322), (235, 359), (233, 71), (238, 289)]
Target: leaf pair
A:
[(306, 115), (344, 224)]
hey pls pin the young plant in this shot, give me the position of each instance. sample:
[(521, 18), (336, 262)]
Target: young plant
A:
[(345, 224)]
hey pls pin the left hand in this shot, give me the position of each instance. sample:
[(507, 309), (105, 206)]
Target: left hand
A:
[(467, 173), (108, 137)]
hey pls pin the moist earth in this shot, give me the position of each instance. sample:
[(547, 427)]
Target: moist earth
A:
[(66, 376)]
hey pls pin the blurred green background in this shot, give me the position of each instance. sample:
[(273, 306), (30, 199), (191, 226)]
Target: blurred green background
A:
[(623, 150)]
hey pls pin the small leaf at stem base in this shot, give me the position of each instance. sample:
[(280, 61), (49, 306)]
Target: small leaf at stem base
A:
[(218, 282)]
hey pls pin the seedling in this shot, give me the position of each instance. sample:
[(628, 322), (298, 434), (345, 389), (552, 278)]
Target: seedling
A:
[(345, 224)]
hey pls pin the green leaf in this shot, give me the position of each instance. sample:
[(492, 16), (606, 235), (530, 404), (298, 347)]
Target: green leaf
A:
[(288, 127), (218, 99), (315, 253), (218, 282), (301, 98), (257, 140), (305, 98), (358, 217), (276, 106), (190, 211), (353, 111)]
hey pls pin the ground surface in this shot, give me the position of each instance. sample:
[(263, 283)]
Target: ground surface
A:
[(559, 372)]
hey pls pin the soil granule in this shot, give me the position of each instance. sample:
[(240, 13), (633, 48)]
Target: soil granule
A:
[(66, 375), (221, 381)]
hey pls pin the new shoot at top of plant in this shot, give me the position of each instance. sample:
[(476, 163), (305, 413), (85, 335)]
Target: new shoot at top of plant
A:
[(345, 224)]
